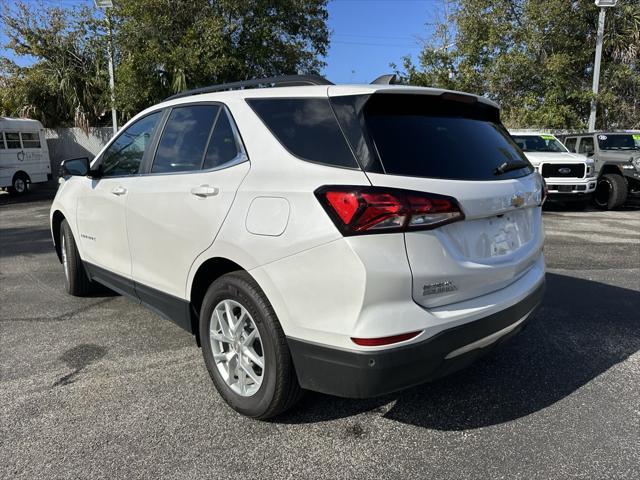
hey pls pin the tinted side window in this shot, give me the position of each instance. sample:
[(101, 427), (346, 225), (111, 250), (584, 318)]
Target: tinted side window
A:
[(222, 146), (30, 140), (586, 145), (307, 128), (184, 139), (570, 143), (2, 147), (124, 155), (13, 139)]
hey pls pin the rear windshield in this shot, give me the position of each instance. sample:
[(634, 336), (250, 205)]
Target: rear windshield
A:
[(538, 143), (439, 137)]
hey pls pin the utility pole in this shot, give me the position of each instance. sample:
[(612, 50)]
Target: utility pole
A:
[(106, 4), (603, 4)]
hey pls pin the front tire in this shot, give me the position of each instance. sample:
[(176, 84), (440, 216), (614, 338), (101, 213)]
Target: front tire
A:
[(611, 191), (245, 349), (76, 281)]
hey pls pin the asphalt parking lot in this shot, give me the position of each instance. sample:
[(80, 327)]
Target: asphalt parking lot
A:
[(102, 388)]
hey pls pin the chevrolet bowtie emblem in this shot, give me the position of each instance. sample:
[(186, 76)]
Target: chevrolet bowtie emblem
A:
[(517, 201)]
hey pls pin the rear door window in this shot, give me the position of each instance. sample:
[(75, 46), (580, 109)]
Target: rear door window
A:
[(307, 128), (435, 137), (13, 139), (223, 147), (30, 139), (184, 139)]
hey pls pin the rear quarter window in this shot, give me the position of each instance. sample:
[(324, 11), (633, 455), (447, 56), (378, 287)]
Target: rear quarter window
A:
[(307, 128)]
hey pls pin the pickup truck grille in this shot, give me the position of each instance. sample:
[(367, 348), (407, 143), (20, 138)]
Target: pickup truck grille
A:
[(567, 170)]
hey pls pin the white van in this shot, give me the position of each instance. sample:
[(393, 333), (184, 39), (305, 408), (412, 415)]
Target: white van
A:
[(24, 156)]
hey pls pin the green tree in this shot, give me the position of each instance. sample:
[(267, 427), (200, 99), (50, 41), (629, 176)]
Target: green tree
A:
[(536, 59), (166, 46), (67, 84), (160, 47)]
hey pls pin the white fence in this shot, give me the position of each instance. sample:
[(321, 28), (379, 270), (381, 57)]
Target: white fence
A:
[(73, 142)]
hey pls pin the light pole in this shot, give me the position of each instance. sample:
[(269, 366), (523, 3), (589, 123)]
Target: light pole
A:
[(106, 4), (603, 4)]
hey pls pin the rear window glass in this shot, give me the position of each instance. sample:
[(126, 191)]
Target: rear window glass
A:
[(30, 140), (307, 128), (13, 139), (222, 146), (617, 142), (428, 136)]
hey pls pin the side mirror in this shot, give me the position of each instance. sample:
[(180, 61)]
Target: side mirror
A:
[(78, 167)]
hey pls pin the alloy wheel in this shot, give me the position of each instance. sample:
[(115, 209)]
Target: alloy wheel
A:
[(237, 347)]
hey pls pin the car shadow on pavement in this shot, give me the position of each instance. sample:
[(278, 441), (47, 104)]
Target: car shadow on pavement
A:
[(582, 329)]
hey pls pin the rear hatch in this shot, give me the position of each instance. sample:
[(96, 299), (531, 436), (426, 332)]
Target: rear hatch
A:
[(454, 145)]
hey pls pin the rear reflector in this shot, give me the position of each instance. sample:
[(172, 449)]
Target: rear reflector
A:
[(376, 342), (365, 210)]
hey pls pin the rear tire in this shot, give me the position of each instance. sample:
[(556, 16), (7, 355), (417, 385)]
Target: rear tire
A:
[(269, 389), (76, 281), (611, 191), (19, 184)]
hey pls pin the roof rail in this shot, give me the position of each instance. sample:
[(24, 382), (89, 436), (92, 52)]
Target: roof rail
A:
[(281, 81)]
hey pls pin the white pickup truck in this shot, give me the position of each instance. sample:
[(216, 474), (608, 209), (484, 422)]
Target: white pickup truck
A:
[(570, 177)]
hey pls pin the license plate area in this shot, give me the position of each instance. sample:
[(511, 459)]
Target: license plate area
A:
[(494, 236)]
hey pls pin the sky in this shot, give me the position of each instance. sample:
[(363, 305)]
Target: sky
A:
[(366, 35)]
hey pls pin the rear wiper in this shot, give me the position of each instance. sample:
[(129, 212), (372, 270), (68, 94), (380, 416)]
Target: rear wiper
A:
[(508, 166)]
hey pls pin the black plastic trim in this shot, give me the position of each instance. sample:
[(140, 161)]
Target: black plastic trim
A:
[(173, 308), (281, 81), (362, 374)]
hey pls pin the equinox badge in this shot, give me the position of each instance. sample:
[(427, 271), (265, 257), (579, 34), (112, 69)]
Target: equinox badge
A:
[(439, 287)]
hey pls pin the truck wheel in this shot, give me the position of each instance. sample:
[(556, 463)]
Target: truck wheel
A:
[(76, 281), (245, 349), (20, 184), (611, 191)]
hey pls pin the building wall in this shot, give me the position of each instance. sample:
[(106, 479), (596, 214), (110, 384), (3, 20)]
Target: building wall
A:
[(73, 142)]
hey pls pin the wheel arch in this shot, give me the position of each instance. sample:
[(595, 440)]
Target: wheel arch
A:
[(207, 273), (610, 168), (21, 173)]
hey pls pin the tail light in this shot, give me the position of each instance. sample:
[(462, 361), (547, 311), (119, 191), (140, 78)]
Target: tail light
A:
[(366, 210), (545, 190)]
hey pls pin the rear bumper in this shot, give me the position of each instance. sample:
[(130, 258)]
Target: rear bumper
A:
[(358, 374)]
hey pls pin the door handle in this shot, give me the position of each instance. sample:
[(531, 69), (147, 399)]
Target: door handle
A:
[(204, 191), (119, 190)]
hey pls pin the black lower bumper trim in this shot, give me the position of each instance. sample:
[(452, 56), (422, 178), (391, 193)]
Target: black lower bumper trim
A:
[(355, 374)]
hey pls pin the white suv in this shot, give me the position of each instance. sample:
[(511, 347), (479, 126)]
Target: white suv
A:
[(349, 239)]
